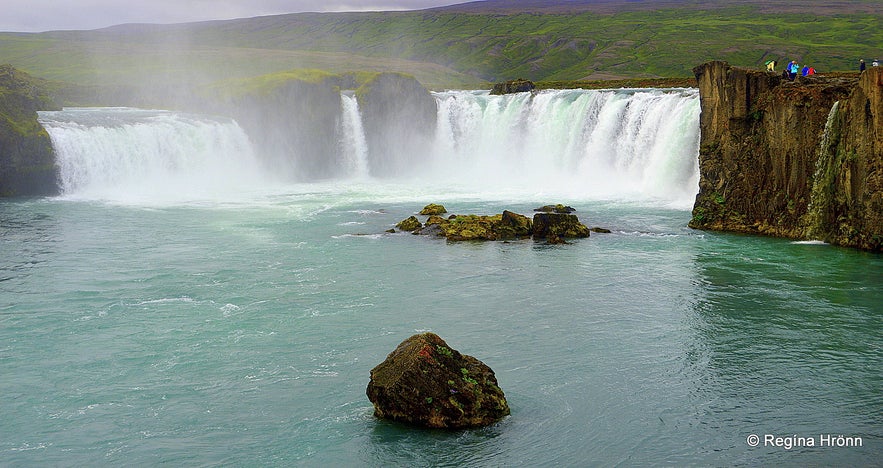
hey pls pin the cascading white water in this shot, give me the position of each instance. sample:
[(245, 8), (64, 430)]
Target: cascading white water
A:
[(354, 145), (122, 153), (599, 144), (566, 144), (821, 194)]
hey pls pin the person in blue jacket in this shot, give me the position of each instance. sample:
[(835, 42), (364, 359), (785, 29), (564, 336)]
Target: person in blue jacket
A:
[(793, 68)]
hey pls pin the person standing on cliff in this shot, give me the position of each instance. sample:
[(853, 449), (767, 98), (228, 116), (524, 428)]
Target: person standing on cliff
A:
[(793, 68), (875, 63), (861, 65)]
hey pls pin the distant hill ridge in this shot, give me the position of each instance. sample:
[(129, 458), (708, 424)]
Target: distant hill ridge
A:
[(470, 44), (818, 7)]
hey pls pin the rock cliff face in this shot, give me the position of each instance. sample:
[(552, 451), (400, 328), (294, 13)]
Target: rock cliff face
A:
[(399, 116), (294, 119), (291, 119), (27, 161), (780, 158)]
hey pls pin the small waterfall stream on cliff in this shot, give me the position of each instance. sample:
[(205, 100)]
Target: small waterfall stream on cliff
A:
[(821, 194)]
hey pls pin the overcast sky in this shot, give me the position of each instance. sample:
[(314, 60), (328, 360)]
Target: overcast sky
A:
[(46, 15)]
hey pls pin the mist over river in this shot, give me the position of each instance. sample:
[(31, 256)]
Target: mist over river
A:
[(181, 303)]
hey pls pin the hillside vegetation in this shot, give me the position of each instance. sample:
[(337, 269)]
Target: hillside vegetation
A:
[(468, 45)]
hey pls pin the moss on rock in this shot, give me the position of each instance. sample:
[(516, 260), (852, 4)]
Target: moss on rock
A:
[(410, 224), (559, 208), (425, 382), (27, 160), (433, 209), (508, 225), (555, 226)]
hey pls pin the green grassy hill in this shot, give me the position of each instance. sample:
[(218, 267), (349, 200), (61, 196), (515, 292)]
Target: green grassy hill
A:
[(468, 45)]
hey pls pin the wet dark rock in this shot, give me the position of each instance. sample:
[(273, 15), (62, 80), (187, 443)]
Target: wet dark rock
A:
[(552, 225), (500, 227), (433, 209), (410, 224), (519, 85), (559, 208), (600, 230), (555, 239), (430, 230), (471, 227), (427, 383), (399, 118), (514, 226)]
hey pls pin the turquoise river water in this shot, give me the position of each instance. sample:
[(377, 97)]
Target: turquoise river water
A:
[(239, 330), (244, 335)]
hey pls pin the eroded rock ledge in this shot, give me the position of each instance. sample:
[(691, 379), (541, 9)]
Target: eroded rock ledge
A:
[(779, 158)]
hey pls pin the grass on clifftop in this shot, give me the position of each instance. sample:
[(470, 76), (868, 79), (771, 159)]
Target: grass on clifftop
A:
[(265, 84), (21, 95)]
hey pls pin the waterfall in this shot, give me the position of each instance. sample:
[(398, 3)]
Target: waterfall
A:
[(114, 153), (563, 144), (354, 145), (822, 193), (608, 144)]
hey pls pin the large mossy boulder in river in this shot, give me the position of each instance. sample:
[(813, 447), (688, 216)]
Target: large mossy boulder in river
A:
[(433, 209), (426, 383), (410, 224), (554, 226)]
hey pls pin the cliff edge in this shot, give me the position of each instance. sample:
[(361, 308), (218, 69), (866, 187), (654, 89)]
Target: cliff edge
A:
[(801, 160), (27, 161)]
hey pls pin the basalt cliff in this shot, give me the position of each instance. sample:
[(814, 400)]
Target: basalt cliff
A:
[(27, 161), (801, 160)]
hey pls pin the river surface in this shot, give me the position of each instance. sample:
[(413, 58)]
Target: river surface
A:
[(243, 333), (181, 304)]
